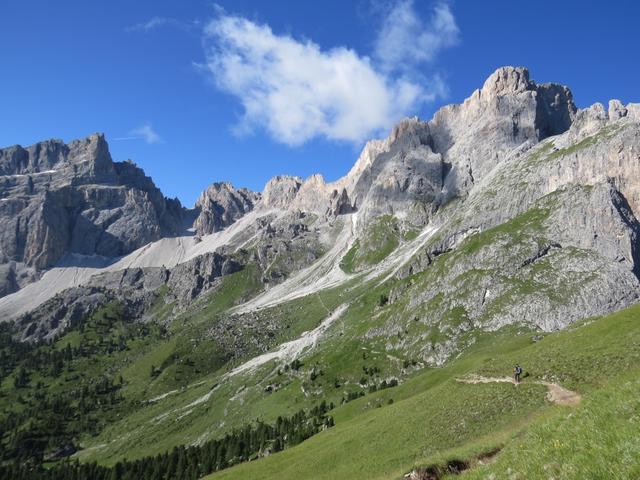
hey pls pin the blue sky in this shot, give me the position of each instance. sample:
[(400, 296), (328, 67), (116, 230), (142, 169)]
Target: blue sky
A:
[(195, 91)]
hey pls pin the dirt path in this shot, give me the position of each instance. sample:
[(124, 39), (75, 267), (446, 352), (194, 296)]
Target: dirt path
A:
[(561, 395), (555, 393)]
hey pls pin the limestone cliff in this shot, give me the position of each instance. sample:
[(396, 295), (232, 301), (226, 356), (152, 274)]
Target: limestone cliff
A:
[(57, 198)]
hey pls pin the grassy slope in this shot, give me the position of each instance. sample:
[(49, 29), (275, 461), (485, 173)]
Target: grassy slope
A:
[(392, 340), (101, 335), (387, 339), (380, 239), (434, 418), (159, 426), (598, 440), (147, 345), (368, 337)]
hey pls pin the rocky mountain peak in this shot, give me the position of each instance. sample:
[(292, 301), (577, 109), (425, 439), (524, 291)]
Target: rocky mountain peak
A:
[(72, 198), (91, 156), (616, 110), (220, 205), (425, 163), (507, 80), (317, 196), (409, 132), (280, 191), (93, 147), (16, 160), (590, 120), (62, 198)]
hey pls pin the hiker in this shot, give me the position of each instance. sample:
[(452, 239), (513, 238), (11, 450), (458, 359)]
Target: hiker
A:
[(517, 371)]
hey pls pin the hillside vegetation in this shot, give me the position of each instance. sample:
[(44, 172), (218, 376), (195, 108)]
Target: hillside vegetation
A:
[(436, 421)]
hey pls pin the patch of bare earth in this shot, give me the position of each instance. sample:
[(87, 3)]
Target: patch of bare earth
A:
[(452, 467), (555, 393)]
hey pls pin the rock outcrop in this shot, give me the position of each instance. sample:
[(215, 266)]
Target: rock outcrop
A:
[(136, 288), (220, 205), (57, 198), (280, 191), (424, 164)]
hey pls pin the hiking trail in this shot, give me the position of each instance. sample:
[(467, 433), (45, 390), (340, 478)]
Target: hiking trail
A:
[(555, 393)]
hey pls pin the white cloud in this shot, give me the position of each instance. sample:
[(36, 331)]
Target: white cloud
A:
[(147, 133), (160, 22), (405, 40), (144, 132), (296, 91)]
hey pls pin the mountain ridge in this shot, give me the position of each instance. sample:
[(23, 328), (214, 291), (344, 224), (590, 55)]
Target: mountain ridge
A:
[(494, 233), (411, 176)]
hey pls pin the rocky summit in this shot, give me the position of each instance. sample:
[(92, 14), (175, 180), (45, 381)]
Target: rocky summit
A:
[(500, 225), (58, 199)]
